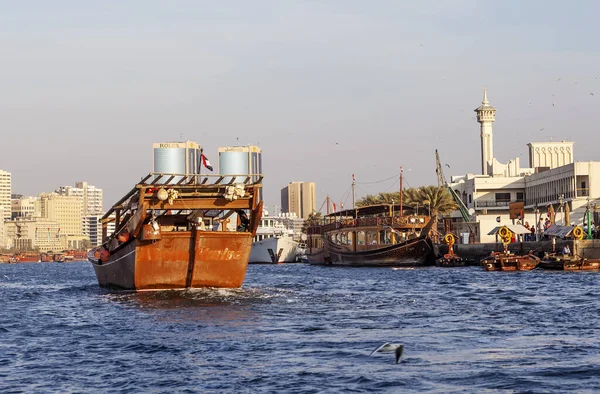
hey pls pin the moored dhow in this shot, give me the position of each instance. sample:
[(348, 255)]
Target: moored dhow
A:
[(370, 236), (173, 231)]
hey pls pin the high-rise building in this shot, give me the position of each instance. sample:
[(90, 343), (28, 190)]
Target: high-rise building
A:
[(93, 229), (299, 198), (241, 160), (91, 199), (5, 191), (64, 210)]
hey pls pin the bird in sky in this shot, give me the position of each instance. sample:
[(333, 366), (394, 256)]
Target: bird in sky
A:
[(448, 165), (591, 94), (558, 80)]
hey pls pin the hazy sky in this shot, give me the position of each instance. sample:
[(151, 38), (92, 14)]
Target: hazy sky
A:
[(326, 88)]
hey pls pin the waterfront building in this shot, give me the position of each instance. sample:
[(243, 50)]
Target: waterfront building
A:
[(552, 178), (5, 192), (299, 198), (64, 210), (23, 206), (93, 229), (27, 234), (91, 203)]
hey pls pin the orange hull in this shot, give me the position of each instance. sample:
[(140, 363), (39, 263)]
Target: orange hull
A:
[(28, 258), (186, 259)]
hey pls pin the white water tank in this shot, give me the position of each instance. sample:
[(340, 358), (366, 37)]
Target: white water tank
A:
[(176, 158)]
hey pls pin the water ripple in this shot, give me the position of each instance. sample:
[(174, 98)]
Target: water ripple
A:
[(302, 329)]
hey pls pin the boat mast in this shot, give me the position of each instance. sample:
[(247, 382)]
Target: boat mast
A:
[(327, 209), (400, 191), (353, 195)]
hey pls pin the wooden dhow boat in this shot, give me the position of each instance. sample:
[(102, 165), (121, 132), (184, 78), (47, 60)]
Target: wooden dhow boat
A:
[(507, 261), (370, 236), (173, 231)]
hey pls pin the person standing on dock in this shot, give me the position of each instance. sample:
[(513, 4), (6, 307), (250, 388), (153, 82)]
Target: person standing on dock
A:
[(540, 229)]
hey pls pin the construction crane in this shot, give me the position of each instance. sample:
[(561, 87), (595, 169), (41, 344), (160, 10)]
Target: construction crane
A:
[(442, 182)]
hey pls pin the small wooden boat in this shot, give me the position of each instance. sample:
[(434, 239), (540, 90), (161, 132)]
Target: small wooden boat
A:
[(450, 259), (507, 261), (568, 263), (500, 261)]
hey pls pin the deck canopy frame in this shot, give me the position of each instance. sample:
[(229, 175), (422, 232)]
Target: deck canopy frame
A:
[(193, 192)]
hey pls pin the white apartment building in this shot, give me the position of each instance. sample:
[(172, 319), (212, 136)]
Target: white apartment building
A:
[(23, 207), (93, 229), (553, 178), (5, 192)]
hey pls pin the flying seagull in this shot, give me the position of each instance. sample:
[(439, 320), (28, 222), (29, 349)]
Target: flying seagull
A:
[(591, 94), (387, 347)]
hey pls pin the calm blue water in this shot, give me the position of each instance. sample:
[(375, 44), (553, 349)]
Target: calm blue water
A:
[(302, 329)]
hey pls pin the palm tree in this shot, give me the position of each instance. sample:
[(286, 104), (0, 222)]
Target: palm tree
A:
[(313, 219), (436, 200)]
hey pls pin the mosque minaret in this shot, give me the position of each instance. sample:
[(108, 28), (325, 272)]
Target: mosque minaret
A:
[(486, 115)]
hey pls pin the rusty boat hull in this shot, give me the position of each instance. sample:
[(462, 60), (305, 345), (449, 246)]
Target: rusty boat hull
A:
[(178, 260), (173, 231), (569, 263), (510, 262)]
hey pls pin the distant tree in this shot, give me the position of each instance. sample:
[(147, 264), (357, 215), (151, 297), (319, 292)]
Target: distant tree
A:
[(86, 244), (440, 200), (313, 219)]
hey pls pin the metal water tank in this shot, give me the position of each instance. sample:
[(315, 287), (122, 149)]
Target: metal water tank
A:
[(176, 158)]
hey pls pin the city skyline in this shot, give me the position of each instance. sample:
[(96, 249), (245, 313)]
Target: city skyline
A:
[(367, 89)]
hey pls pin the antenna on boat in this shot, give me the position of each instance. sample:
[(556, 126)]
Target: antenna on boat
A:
[(400, 191)]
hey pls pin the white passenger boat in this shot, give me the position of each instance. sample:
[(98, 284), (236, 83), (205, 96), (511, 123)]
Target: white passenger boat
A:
[(274, 241)]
